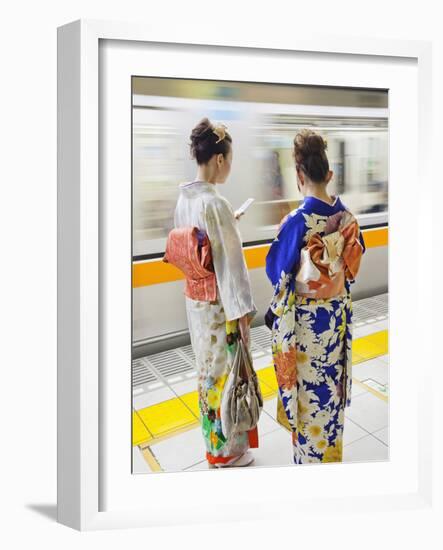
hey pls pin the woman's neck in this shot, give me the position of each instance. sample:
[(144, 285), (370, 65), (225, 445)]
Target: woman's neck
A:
[(202, 175), (319, 192)]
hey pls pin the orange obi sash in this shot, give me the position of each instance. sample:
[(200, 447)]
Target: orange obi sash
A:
[(325, 262), (189, 250)]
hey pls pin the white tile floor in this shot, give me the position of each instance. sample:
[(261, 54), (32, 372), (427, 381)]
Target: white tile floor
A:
[(152, 397), (180, 388), (275, 449), (270, 407), (366, 449), (382, 435), (352, 432), (366, 433), (374, 368), (365, 438), (139, 464), (369, 412), (181, 451), (267, 424)]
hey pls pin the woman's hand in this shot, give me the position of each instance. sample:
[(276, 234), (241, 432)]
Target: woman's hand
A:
[(244, 327)]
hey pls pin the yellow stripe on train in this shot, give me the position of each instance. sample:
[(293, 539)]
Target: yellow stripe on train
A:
[(157, 272)]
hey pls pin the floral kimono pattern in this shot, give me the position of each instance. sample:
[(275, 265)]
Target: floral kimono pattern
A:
[(310, 264), (213, 325), (215, 344)]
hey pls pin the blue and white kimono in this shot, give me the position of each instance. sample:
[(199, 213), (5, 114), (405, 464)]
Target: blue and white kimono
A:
[(310, 264)]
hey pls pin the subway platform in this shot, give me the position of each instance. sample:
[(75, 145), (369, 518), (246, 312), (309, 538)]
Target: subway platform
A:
[(166, 430)]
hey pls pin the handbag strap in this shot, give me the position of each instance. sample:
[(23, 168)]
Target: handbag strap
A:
[(246, 364)]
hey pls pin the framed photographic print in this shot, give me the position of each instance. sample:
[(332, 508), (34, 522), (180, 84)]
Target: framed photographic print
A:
[(231, 275)]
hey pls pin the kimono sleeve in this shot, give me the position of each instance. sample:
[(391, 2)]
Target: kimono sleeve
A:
[(227, 256), (284, 254)]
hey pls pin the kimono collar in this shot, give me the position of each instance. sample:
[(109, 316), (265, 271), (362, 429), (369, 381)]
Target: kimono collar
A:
[(318, 206), (193, 188)]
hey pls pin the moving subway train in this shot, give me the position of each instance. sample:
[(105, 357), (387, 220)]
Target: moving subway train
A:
[(262, 120)]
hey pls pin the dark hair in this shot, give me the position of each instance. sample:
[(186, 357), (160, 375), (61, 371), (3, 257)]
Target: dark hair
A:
[(203, 142), (310, 155)]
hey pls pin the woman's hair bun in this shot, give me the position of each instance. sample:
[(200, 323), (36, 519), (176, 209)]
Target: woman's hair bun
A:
[(316, 144), (308, 142), (201, 131), (205, 142), (310, 155)]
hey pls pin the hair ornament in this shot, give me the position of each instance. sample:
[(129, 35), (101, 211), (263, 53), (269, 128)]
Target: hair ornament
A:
[(220, 131)]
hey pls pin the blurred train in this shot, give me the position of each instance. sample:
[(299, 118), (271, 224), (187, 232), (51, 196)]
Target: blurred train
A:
[(355, 125)]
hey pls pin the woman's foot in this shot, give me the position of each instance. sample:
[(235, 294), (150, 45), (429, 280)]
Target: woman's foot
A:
[(245, 459)]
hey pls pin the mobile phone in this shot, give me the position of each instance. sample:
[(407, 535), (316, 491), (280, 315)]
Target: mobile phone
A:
[(240, 211)]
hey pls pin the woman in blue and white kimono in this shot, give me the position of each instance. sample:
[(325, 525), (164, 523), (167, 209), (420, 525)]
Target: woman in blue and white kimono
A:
[(311, 263)]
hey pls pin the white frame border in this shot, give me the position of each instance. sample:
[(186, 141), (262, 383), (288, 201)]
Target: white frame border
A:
[(78, 253)]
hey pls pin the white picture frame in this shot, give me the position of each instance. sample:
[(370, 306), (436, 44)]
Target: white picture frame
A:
[(96, 492)]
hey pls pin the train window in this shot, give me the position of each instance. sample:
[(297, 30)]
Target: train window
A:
[(263, 165), (358, 156), (157, 170)]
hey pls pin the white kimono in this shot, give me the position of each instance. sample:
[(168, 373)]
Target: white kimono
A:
[(212, 325)]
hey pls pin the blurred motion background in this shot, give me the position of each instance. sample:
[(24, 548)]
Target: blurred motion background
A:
[(262, 120)]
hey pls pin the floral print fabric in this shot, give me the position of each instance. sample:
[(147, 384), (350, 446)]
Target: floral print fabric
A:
[(311, 336), (213, 325), (214, 341)]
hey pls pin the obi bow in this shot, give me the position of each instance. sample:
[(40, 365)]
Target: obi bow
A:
[(326, 257)]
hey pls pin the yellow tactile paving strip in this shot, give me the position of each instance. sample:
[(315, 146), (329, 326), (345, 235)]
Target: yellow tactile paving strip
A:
[(179, 414), (157, 272), (140, 433), (370, 346)]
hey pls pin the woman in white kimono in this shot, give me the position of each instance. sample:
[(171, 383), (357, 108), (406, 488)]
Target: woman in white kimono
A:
[(216, 326)]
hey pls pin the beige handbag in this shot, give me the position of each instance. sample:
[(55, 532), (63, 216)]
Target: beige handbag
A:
[(241, 401)]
